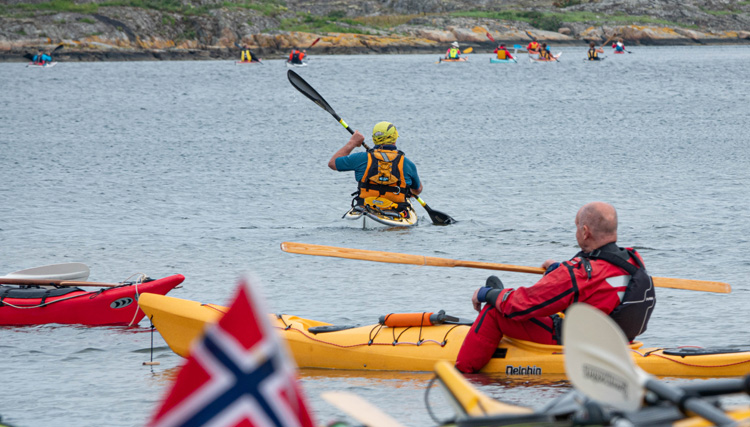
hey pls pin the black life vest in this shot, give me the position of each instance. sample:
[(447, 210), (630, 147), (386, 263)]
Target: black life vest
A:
[(384, 176), (638, 302), (295, 56), (593, 55)]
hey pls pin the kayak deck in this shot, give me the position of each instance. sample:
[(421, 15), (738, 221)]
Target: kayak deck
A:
[(387, 218), (316, 344)]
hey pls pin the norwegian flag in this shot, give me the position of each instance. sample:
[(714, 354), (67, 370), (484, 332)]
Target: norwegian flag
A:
[(239, 374)]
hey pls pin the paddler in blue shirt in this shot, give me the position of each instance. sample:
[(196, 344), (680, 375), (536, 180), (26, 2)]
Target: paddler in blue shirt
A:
[(41, 58), (383, 171)]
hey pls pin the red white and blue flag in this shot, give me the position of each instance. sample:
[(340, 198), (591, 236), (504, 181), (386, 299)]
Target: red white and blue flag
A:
[(239, 374)]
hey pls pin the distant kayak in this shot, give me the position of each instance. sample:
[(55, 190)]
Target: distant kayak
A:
[(546, 60), (47, 65), (502, 61), (247, 62), (291, 64), (617, 52), (463, 59)]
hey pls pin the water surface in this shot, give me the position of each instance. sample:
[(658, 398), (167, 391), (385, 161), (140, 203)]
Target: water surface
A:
[(203, 168)]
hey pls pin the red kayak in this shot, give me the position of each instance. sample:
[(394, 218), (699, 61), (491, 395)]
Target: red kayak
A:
[(34, 305)]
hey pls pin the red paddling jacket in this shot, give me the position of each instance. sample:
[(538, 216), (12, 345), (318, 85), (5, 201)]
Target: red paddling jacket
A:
[(610, 278)]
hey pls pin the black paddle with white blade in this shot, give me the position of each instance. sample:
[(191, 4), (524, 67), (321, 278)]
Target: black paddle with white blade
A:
[(438, 218), (598, 364)]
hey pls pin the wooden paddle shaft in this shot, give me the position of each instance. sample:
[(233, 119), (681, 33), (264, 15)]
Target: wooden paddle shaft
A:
[(399, 258), (43, 282)]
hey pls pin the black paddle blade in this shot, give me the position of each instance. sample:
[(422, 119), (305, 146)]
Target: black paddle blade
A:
[(28, 56), (301, 85), (439, 218), (58, 48)]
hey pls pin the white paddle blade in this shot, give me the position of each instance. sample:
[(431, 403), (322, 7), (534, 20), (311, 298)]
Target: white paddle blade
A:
[(75, 271), (360, 409), (598, 361)]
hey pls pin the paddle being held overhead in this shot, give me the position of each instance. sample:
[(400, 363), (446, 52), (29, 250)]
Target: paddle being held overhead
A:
[(602, 274), (381, 172)]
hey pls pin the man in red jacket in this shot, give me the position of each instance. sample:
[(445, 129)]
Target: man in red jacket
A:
[(603, 275)]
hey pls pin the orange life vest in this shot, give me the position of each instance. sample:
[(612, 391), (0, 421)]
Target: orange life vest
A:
[(384, 176)]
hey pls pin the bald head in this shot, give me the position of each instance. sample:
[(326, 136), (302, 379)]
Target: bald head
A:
[(596, 225)]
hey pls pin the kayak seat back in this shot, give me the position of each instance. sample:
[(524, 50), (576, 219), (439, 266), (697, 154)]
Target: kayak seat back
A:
[(34, 292)]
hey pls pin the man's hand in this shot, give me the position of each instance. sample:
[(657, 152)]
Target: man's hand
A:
[(357, 139), (475, 301)]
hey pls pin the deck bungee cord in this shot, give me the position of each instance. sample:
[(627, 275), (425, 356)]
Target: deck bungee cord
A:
[(377, 328)]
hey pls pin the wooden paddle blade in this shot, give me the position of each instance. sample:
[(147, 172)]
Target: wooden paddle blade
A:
[(42, 282), (693, 285), (398, 258)]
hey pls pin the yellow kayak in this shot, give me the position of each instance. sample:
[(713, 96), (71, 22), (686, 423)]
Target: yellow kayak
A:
[(474, 408), (317, 344)]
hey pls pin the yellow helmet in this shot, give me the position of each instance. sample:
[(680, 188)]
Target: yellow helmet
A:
[(384, 133)]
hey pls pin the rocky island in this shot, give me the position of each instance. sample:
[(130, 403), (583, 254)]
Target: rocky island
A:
[(114, 30)]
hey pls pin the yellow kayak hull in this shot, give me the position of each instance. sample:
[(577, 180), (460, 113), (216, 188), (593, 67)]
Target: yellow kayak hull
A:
[(377, 347)]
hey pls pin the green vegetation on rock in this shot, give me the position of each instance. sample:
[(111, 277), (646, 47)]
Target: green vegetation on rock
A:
[(328, 24), (552, 21)]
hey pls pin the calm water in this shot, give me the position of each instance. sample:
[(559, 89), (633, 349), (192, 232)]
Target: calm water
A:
[(203, 168)]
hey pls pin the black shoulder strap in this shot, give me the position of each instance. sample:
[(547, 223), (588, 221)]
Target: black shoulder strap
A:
[(618, 261)]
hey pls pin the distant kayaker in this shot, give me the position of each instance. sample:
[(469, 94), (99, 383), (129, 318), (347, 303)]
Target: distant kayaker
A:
[(453, 52), (619, 46), (297, 56), (248, 55), (545, 54), (502, 52), (383, 171), (533, 47), (594, 52), (41, 58), (603, 275)]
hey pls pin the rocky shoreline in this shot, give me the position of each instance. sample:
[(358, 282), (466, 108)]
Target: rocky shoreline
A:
[(107, 33)]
